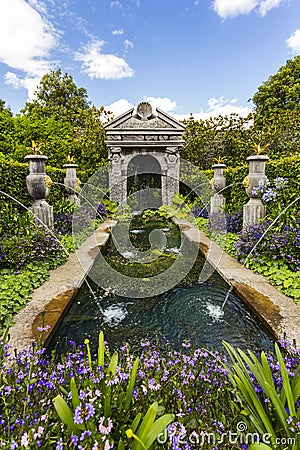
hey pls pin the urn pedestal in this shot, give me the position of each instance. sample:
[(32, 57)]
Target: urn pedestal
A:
[(72, 183), (38, 186), (218, 201), (254, 211)]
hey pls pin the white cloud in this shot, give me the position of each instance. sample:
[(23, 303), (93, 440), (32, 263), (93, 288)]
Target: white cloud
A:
[(266, 6), (119, 107), (164, 103), (116, 4), (26, 41), (293, 41), (118, 32), (217, 107), (101, 65), (233, 8), (30, 83), (128, 44)]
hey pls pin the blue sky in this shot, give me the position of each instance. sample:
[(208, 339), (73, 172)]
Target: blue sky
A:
[(201, 56)]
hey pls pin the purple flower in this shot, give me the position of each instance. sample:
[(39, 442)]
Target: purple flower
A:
[(59, 445)]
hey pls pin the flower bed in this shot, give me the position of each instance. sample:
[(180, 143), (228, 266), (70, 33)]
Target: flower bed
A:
[(101, 401)]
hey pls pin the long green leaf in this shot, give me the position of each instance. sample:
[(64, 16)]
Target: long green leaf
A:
[(256, 407), (279, 408), (131, 384), (157, 428), (64, 412), (243, 381), (121, 445), (145, 425), (113, 364), (74, 392), (296, 388), (107, 401), (259, 446), (101, 349), (286, 385), (136, 422)]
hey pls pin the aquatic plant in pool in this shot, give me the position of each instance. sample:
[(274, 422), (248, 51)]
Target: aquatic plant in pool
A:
[(190, 310)]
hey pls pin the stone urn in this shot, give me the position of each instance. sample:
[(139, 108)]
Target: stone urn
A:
[(218, 182), (38, 186), (257, 167), (254, 211), (72, 183), (36, 180)]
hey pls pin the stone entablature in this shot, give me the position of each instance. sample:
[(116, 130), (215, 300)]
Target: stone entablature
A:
[(144, 133)]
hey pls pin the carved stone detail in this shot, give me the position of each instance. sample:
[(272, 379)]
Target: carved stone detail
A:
[(139, 134)]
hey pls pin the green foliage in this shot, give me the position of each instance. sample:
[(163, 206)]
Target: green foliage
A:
[(229, 137), (280, 92), (116, 403), (226, 240), (282, 408), (279, 275), (57, 96), (110, 207), (13, 176), (62, 120), (236, 196), (16, 289), (179, 209)]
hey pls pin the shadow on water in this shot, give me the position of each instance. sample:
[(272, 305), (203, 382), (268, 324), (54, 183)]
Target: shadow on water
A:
[(189, 311)]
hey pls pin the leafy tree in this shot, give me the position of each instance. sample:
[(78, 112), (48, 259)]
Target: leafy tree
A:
[(63, 120), (57, 96), (7, 129), (280, 92), (228, 137), (90, 150)]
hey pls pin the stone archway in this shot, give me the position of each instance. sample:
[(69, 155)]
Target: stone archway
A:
[(144, 133), (144, 182)]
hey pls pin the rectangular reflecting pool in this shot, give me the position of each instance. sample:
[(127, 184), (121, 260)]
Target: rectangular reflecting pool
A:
[(145, 286)]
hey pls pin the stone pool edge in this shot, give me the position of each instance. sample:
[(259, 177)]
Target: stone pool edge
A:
[(278, 312), (50, 300)]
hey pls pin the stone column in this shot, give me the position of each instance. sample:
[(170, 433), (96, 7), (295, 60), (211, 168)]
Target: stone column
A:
[(254, 211), (38, 186), (218, 201), (172, 179), (117, 179), (72, 183)]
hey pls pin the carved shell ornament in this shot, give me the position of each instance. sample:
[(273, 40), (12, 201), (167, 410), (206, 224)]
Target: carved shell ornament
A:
[(144, 111), (246, 182), (48, 182)]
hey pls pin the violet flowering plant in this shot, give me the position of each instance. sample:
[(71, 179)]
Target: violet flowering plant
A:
[(280, 205), (96, 402), (104, 399)]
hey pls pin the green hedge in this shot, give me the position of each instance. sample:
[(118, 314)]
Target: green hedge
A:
[(236, 196), (13, 182)]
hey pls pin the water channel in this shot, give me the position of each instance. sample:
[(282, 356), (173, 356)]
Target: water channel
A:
[(188, 311)]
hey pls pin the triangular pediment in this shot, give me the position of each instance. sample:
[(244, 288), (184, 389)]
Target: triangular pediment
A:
[(131, 121)]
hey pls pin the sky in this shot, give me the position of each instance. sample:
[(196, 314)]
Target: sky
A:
[(205, 57)]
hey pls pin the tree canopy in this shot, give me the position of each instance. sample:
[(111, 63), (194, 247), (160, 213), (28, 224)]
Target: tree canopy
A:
[(61, 119), (280, 92), (57, 96)]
